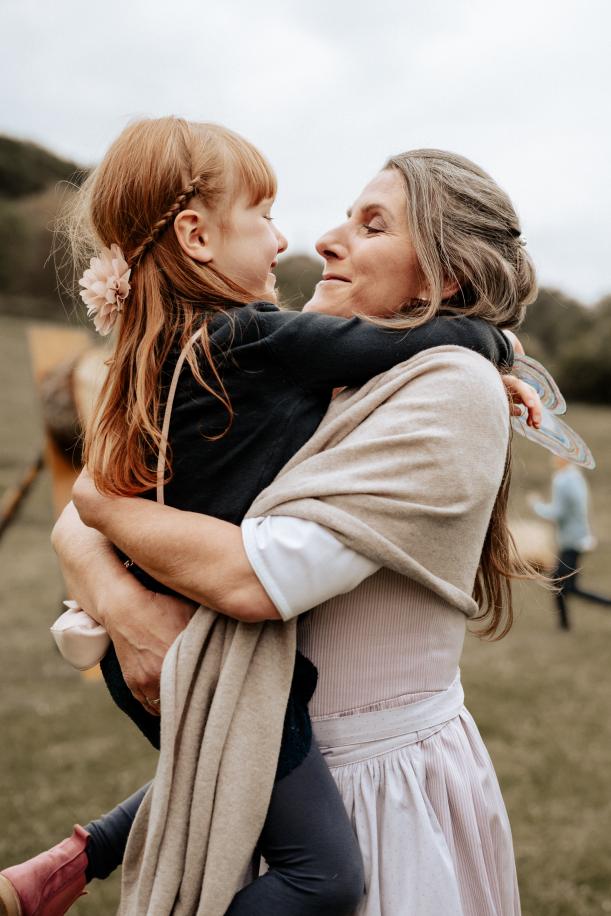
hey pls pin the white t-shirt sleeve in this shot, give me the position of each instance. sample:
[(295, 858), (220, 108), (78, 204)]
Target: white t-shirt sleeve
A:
[(299, 563)]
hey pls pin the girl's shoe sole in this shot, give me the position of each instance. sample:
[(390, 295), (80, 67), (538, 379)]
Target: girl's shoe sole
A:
[(9, 900)]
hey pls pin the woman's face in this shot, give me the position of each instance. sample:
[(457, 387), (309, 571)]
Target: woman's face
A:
[(370, 264)]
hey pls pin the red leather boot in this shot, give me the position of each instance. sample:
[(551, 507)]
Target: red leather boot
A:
[(48, 884)]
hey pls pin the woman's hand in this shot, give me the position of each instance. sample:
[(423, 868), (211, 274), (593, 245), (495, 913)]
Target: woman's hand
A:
[(137, 620), (142, 633), (89, 502)]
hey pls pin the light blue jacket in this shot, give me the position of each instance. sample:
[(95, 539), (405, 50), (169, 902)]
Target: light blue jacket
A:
[(568, 509)]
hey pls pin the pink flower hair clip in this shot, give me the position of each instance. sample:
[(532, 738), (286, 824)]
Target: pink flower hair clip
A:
[(105, 288)]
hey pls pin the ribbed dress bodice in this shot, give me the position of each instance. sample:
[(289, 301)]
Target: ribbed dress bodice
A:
[(389, 642)]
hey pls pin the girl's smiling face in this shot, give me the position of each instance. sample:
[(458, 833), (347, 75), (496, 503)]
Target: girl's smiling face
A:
[(370, 264), (240, 241), (246, 245)]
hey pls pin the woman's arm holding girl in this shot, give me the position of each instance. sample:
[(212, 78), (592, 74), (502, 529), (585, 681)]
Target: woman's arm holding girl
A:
[(207, 562), (215, 570)]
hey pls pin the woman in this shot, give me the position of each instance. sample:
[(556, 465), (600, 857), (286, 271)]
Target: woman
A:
[(430, 787)]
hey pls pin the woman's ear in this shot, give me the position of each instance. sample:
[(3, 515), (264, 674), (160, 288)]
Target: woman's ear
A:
[(193, 236), (450, 288)]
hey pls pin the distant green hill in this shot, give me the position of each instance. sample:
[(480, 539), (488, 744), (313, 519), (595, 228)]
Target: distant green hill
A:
[(34, 186), (26, 168)]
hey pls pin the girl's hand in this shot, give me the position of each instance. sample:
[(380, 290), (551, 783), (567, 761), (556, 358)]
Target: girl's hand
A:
[(521, 393), (142, 632), (533, 499)]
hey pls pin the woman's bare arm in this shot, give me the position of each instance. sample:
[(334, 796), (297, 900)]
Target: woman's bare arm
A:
[(92, 571), (197, 555)]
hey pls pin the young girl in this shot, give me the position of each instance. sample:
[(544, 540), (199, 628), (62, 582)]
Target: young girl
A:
[(181, 212)]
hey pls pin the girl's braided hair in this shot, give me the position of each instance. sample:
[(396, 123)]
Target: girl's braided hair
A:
[(162, 224)]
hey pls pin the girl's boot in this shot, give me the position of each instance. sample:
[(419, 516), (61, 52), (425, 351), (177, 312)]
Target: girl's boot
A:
[(48, 884)]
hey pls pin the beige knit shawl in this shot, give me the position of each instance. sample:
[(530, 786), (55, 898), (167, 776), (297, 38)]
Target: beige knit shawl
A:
[(404, 470)]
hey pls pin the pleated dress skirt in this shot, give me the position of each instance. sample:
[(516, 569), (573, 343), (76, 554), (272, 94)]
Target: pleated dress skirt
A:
[(425, 803)]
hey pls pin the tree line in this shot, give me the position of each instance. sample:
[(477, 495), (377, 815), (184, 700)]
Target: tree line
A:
[(573, 340)]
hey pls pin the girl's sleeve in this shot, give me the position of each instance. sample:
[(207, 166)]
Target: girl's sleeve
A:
[(300, 564), (325, 351)]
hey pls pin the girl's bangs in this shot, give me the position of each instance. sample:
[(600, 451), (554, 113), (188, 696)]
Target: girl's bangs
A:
[(254, 173)]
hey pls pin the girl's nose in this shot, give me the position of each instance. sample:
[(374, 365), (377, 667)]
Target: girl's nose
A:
[(282, 242)]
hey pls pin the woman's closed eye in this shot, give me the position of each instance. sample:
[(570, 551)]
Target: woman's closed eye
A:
[(372, 230)]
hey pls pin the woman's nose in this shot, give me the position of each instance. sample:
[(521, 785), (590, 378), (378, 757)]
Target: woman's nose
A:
[(331, 245)]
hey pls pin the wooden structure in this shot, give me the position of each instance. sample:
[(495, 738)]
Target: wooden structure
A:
[(53, 346)]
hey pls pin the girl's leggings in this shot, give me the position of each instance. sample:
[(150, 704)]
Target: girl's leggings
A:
[(307, 841)]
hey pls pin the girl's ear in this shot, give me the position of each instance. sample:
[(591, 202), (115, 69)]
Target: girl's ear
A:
[(193, 236)]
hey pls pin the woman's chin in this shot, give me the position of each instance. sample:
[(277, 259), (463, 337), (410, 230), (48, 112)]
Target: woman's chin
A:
[(323, 301)]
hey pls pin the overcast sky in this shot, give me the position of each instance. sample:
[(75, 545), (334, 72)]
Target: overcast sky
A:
[(329, 88)]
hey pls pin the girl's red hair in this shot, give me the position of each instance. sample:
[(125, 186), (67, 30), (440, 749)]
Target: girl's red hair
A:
[(148, 175)]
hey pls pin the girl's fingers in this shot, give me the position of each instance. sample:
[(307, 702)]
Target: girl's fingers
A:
[(523, 393)]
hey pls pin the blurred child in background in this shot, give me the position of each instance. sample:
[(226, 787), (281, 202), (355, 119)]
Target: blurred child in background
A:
[(568, 509)]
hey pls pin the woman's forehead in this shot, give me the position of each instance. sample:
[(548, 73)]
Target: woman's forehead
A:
[(384, 192)]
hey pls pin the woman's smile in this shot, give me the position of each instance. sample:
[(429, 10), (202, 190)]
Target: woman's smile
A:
[(329, 277)]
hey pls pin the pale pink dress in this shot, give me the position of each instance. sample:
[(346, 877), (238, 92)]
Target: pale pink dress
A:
[(426, 805)]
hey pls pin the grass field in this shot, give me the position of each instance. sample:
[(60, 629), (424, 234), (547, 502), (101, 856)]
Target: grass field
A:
[(540, 697)]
